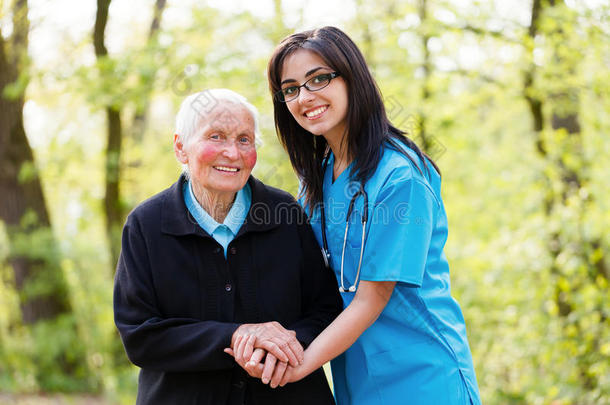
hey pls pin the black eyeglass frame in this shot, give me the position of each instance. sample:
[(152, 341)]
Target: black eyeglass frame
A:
[(279, 95)]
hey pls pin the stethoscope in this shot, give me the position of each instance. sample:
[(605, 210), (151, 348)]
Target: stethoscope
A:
[(364, 219)]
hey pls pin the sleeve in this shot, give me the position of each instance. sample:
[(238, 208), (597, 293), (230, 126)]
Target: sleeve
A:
[(400, 232), (321, 301), (150, 340)]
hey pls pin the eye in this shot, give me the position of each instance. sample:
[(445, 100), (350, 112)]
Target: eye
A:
[(320, 78), (245, 140), (288, 91), (215, 136)]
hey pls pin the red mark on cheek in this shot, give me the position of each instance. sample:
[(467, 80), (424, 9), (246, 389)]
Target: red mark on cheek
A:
[(209, 153), (250, 159)]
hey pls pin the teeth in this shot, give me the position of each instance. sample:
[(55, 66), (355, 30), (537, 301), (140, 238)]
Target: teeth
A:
[(315, 112), (226, 169)]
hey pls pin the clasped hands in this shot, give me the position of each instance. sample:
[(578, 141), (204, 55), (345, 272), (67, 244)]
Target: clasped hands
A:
[(278, 347)]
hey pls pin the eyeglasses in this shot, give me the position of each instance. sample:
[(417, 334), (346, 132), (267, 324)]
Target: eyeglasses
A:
[(314, 84)]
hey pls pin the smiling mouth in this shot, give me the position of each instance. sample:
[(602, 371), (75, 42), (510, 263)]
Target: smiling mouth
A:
[(226, 169), (315, 113)]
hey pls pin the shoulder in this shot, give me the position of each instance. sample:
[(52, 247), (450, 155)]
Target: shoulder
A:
[(397, 169), (405, 162), (273, 194), (395, 165), (149, 210), (282, 205), (263, 193)]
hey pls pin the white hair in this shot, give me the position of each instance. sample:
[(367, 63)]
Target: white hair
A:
[(198, 106)]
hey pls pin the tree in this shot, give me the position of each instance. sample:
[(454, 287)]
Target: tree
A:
[(113, 208), (22, 207), (112, 204), (33, 252), (559, 142), (140, 119)]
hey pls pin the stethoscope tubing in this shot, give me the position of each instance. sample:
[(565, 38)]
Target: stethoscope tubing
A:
[(364, 220)]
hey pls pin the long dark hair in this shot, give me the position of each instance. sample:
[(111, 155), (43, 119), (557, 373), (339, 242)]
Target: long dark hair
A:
[(368, 126)]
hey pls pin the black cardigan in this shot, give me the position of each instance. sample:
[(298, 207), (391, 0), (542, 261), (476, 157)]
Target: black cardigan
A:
[(177, 300)]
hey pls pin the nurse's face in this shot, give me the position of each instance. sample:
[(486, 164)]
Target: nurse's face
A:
[(321, 112)]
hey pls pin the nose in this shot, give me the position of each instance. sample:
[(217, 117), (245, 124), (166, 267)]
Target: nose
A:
[(305, 95), (230, 150)]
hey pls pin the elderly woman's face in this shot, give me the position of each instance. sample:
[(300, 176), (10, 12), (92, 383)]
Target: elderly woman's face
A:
[(222, 154)]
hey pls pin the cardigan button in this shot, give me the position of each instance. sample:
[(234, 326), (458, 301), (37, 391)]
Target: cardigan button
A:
[(217, 250), (228, 287), (233, 250)]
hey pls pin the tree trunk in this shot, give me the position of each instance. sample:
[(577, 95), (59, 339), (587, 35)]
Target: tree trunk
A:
[(112, 198), (38, 276), (140, 120), (113, 209)]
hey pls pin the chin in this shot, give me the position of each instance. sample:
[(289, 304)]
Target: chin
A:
[(231, 188), (313, 130)]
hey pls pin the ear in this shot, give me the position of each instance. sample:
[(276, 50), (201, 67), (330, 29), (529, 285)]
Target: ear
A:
[(179, 150)]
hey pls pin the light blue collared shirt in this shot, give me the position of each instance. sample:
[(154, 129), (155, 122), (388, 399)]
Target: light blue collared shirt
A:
[(222, 233)]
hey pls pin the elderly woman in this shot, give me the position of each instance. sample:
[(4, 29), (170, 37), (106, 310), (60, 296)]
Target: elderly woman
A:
[(215, 257)]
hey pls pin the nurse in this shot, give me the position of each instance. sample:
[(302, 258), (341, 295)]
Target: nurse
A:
[(375, 205)]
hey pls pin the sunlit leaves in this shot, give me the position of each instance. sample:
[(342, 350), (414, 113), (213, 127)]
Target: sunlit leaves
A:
[(514, 257)]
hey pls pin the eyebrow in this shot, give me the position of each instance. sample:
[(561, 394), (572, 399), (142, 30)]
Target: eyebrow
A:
[(223, 129), (310, 72)]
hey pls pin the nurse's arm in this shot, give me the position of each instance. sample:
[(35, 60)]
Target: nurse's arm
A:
[(370, 300)]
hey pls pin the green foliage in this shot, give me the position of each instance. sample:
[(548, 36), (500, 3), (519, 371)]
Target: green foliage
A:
[(16, 89), (44, 356), (523, 241), (58, 350)]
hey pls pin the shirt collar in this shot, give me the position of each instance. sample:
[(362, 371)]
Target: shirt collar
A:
[(235, 217), (176, 218)]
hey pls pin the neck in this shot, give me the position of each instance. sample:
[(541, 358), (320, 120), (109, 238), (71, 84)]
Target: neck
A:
[(342, 159), (217, 205)]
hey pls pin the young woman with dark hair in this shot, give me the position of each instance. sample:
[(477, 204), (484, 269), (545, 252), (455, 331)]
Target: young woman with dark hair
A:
[(375, 206)]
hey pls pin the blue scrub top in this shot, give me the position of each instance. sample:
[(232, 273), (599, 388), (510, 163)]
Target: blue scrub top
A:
[(417, 351)]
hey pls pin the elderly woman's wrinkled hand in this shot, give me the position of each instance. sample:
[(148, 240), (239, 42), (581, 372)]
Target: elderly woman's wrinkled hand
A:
[(270, 336)]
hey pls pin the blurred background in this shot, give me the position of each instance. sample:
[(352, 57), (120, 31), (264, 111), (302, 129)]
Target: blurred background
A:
[(511, 98)]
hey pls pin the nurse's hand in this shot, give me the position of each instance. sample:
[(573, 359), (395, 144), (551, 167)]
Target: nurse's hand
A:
[(270, 336), (256, 367), (271, 371), (292, 374)]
